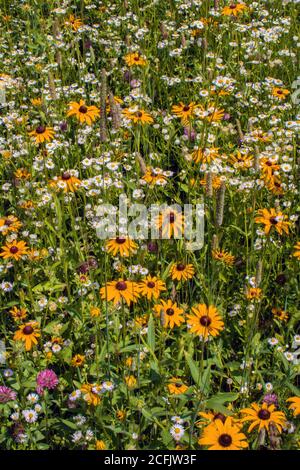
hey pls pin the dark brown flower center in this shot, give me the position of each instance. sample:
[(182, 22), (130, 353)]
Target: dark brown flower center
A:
[(186, 109), (273, 220), (170, 311), (232, 7), (27, 330), (151, 284), (14, 249), (225, 440), (66, 176), (180, 267), (137, 58), (172, 217), (8, 222), (83, 109), (264, 414), (121, 285), (40, 129), (120, 241), (178, 384), (268, 163), (220, 416), (139, 114), (205, 320)]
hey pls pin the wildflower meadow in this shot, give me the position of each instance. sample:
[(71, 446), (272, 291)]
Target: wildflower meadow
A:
[(149, 225)]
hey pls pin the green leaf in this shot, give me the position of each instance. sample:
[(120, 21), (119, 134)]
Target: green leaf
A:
[(221, 398), (195, 370), (69, 424), (151, 333), (293, 389)]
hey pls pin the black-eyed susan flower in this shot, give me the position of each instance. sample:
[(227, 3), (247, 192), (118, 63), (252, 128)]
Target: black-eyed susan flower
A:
[(171, 223), (18, 313), (294, 405), (280, 314), (135, 58), (216, 181), (42, 134), (119, 290), (28, 333), (205, 321), (234, 9), (91, 393), (77, 360), (95, 312), (36, 102), (272, 219), (242, 161), (223, 256), (209, 417), (182, 271), (170, 313), (154, 177), (138, 116), (253, 293), (9, 224), (73, 23), (121, 415), (121, 246), (262, 416), (100, 445), (14, 250), (83, 113), (221, 435), (176, 386), (151, 287), (268, 166), (205, 155), (185, 112), (130, 381), (67, 182), (22, 174), (275, 186), (280, 93), (210, 113), (296, 253)]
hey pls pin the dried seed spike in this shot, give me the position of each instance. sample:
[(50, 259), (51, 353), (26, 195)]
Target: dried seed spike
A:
[(216, 4), (115, 112), (275, 440), (52, 86), (220, 205), (209, 187), (259, 270), (127, 40), (261, 437), (103, 94), (56, 28), (173, 293), (256, 151), (141, 163), (56, 34), (215, 242), (162, 318), (239, 129), (163, 30)]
